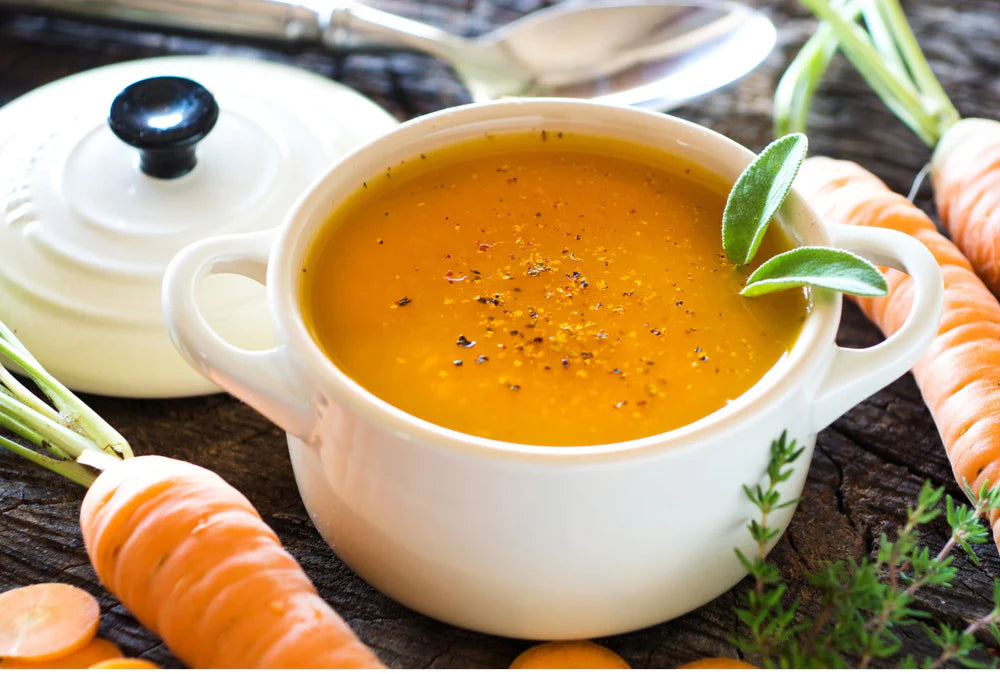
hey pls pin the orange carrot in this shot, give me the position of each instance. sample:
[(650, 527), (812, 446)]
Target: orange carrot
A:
[(124, 663), (568, 655), (190, 557), (965, 171), (717, 663), (45, 621), (183, 550), (959, 373), (94, 651)]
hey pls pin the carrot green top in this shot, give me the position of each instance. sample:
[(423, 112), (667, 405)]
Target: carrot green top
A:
[(885, 52), (62, 433)]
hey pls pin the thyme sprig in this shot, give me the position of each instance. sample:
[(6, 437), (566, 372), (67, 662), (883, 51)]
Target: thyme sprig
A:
[(864, 601)]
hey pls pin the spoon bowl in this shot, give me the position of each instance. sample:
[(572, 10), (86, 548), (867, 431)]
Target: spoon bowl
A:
[(653, 54)]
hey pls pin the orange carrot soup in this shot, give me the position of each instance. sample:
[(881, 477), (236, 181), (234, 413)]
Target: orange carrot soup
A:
[(548, 289)]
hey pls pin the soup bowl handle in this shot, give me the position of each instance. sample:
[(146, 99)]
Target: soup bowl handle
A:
[(856, 374), (259, 378)]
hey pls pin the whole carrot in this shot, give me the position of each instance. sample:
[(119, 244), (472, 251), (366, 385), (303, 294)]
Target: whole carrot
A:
[(965, 172), (959, 373), (190, 557), (965, 166), (184, 551)]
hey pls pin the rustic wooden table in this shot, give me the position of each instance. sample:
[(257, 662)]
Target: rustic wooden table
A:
[(868, 465)]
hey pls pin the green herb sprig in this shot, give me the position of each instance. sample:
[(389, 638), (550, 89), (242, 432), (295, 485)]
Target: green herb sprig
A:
[(755, 198), (863, 601)]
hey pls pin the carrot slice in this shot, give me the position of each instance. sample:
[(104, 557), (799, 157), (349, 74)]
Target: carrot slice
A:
[(97, 650), (45, 621), (717, 663), (124, 663), (569, 655)]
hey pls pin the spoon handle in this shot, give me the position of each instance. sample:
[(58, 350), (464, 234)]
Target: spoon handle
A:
[(339, 25), (256, 19), (353, 25)]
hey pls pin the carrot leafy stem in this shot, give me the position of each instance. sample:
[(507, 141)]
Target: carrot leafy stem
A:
[(753, 202), (863, 602), (794, 93), (884, 51), (59, 432)]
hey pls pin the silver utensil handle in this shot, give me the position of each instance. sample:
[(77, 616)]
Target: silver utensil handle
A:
[(261, 19), (354, 25), (341, 25)]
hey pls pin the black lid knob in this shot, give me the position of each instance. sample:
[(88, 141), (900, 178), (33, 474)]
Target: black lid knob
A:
[(164, 117)]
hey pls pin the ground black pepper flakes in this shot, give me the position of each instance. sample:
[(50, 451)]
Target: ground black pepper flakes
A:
[(403, 301), (464, 342), (482, 359), (456, 363)]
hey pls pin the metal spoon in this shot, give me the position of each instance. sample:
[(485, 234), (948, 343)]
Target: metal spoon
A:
[(653, 53)]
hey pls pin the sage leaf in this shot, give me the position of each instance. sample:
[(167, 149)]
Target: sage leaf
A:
[(816, 266), (758, 194)]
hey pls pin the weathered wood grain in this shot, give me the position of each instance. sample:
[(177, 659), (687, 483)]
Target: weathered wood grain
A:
[(869, 465)]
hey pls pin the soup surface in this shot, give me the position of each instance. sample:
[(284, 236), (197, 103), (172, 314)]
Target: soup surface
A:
[(549, 289)]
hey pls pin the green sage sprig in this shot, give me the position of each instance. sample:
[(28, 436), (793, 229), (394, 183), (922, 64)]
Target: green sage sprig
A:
[(863, 602), (754, 200)]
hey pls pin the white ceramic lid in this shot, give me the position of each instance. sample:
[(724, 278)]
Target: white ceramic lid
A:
[(86, 235)]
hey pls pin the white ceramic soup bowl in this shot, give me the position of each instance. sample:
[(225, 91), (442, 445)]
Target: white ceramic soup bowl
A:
[(530, 541)]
